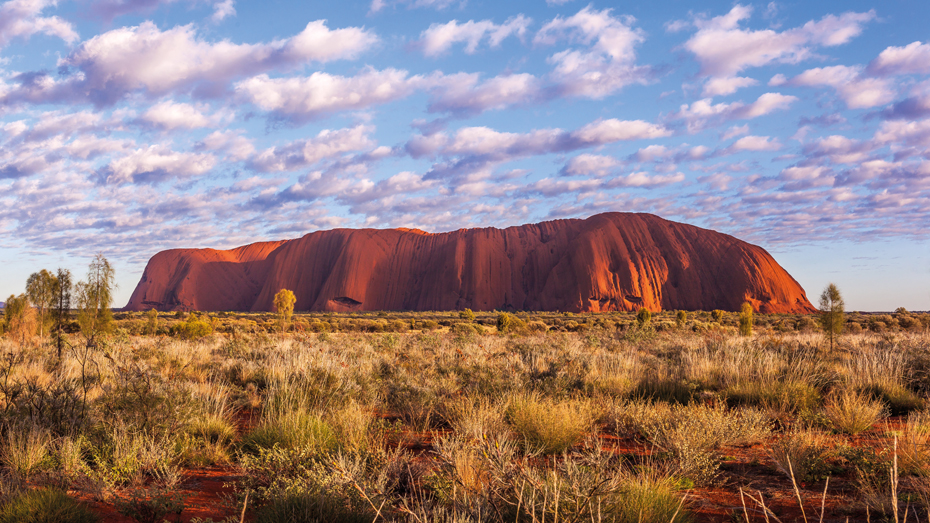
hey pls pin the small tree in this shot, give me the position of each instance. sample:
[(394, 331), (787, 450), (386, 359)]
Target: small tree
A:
[(284, 302), (94, 298), (717, 315), (20, 318), (832, 312), (681, 318), (62, 305), (152, 326), (467, 315), (643, 316), (745, 319), (40, 288)]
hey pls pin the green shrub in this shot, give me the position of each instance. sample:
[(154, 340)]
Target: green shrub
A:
[(508, 323), (804, 453), (45, 505), (717, 315), (643, 316), (194, 328), (745, 320), (150, 505), (464, 329)]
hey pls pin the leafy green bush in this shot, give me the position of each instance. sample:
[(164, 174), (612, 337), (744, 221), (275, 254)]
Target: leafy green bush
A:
[(46, 505), (508, 323), (194, 328), (464, 329)]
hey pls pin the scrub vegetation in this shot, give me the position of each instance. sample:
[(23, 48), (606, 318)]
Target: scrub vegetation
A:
[(472, 416)]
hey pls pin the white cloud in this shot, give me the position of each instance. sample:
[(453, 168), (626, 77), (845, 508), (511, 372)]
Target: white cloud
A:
[(724, 49), (645, 180), (465, 93), (723, 86), (20, 19), (171, 115), (735, 131), (440, 37), (62, 124), (590, 164), (856, 90), (328, 144), (378, 5), (913, 58), (90, 146), (606, 65), (144, 58), (223, 10), (839, 149), (304, 98), (613, 130), (651, 153), (755, 143), (703, 113), (903, 132), (155, 163), (237, 147)]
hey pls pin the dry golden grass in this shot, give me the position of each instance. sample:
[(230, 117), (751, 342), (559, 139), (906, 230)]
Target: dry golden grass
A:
[(500, 410)]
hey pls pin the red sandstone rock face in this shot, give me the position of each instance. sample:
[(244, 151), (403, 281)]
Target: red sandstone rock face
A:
[(611, 261)]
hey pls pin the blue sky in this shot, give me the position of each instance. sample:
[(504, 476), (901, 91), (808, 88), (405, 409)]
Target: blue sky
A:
[(132, 126)]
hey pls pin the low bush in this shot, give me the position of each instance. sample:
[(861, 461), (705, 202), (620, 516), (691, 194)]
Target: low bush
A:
[(691, 433), (803, 453), (509, 324)]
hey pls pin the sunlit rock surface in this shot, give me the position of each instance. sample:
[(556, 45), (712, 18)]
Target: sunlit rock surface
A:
[(611, 261)]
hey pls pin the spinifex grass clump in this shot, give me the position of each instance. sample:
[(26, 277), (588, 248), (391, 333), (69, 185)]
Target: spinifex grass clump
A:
[(851, 412), (45, 505), (25, 450), (914, 444), (291, 429), (548, 425)]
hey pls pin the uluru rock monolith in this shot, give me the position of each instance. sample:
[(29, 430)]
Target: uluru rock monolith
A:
[(608, 262)]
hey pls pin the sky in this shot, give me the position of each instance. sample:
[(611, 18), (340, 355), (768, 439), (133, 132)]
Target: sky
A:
[(132, 126)]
